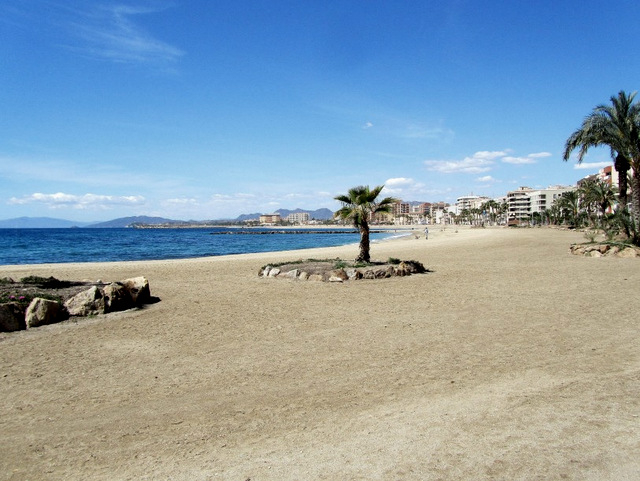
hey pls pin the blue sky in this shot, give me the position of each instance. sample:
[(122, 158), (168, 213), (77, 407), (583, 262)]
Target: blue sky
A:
[(197, 109)]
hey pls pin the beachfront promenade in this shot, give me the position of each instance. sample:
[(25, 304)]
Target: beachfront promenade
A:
[(512, 360)]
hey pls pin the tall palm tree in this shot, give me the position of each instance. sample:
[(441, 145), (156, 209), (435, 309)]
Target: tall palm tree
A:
[(617, 126), (358, 206)]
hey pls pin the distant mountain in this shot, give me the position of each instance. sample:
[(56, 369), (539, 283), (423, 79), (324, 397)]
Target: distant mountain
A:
[(140, 219), (244, 217), (39, 223)]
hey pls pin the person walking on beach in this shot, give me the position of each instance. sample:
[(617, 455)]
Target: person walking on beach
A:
[(426, 233)]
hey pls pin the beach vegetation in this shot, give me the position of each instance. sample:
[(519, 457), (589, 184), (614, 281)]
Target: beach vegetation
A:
[(616, 126), (359, 206)]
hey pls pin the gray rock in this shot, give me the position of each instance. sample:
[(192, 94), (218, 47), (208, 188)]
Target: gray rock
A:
[(274, 272), (86, 303), (117, 298), (138, 288), (44, 311), (293, 274), (11, 317)]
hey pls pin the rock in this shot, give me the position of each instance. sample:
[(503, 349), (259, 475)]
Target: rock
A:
[(11, 317), (412, 267), (303, 276), (274, 271), (265, 271), (138, 288), (613, 251), (117, 298), (628, 252), (353, 274), (316, 277), (44, 311), (594, 253), (335, 279), (369, 274), (86, 303), (384, 273), (338, 273), (293, 274)]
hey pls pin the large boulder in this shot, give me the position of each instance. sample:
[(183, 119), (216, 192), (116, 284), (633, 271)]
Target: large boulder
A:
[(138, 288), (44, 311), (117, 298), (11, 317), (628, 252), (86, 303)]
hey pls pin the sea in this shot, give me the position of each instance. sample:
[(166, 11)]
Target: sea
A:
[(44, 246)]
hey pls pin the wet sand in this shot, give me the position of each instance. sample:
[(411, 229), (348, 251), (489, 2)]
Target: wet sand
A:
[(512, 360)]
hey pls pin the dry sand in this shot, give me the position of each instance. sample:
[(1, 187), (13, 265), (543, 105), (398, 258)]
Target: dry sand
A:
[(513, 360)]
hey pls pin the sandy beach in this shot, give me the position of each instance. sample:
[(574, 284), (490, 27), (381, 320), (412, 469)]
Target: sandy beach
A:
[(512, 360)]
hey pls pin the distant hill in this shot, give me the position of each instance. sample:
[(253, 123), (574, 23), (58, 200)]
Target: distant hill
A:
[(244, 217), (140, 219), (39, 223)]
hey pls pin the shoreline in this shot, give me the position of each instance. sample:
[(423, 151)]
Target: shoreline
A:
[(503, 361)]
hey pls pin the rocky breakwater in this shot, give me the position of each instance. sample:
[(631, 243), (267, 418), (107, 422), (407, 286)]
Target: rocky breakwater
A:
[(33, 302), (331, 271), (604, 250)]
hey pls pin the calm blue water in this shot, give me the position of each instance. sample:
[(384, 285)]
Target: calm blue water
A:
[(43, 246)]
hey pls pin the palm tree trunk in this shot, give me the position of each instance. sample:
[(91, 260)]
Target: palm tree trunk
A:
[(364, 243), (635, 205), (621, 165)]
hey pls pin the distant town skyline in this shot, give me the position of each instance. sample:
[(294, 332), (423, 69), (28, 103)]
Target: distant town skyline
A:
[(208, 110)]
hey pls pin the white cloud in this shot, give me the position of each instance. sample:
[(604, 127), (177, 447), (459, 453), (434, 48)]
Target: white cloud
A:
[(398, 181), (490, 155), (402, 187), (477, 163), (111, 33), (481, 161), (182, 201), (592, 165), (86, 201), (368, 125), (518, 160), (486, 178)]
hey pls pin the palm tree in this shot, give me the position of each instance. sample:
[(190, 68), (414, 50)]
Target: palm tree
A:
[(358, 206), (569, 206), (492, 207), (599, 193), (617, 126)]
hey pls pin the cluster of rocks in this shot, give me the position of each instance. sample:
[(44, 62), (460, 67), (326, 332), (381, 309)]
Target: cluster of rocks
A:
[(97, 299), (604, 250), (329, 274)]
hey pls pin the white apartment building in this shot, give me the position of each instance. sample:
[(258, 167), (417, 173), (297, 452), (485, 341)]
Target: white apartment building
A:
[(298, 218), (470, 202), (525, 201)]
